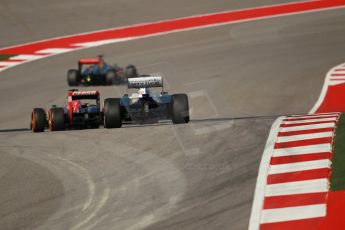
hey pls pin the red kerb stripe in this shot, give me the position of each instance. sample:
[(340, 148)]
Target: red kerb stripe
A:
[(294, 200), (315, 141), (300, 132), (298, 176), (300, 158)]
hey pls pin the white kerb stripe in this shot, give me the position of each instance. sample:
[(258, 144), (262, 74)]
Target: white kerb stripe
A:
[(319, 115), (298, 187), (7, 64), (339, 72), (299, 166), (103, 42), (310, 120), (293, 213), (304, 137), (308, 127), (26, 57), (338, 78), (54, 51), (302, 150), (336, 82)]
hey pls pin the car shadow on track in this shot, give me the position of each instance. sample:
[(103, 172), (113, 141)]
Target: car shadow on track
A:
[(263, 117), (166, 123), (14, 130)]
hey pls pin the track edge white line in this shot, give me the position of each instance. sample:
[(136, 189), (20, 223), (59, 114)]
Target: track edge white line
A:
[(260, 187)]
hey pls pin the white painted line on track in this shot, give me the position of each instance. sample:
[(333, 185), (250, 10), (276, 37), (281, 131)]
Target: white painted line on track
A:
[(260, 186), (302, 150), (297, 187), (299, 166), (293, 213)]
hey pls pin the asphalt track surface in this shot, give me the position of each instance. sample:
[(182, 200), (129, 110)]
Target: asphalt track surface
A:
[(196, 176)]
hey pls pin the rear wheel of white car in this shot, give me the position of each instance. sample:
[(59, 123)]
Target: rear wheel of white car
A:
[(38, 120), (56, 119), (112, 113), (73, 77), (180, 108)]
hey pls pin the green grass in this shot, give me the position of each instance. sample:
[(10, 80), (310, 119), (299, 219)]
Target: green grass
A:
[(338, 161), (5, 56)]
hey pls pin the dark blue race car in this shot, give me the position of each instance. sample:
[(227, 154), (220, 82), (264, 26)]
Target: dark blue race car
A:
[(95, 71)]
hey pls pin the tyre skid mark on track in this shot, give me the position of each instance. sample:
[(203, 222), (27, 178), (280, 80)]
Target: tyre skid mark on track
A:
[(95, 211), (80, 171), (88, 203), (91, 185)]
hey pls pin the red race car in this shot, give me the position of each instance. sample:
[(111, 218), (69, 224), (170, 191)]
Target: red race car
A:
[(82, 110)]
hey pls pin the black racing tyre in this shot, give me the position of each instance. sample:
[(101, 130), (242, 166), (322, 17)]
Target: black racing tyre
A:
[(131, 71), (38, 120), (110, 77), (112, 113), (73, 77), (56, 119), (180, 108)]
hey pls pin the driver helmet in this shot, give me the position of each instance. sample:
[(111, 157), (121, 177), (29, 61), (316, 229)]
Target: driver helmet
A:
[(142, 91)]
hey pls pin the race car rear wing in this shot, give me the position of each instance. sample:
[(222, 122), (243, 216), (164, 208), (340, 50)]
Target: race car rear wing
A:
[(88, 61), (85, 93), (145, 82)]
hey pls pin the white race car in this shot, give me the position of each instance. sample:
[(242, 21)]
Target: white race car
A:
[(146, 106)]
